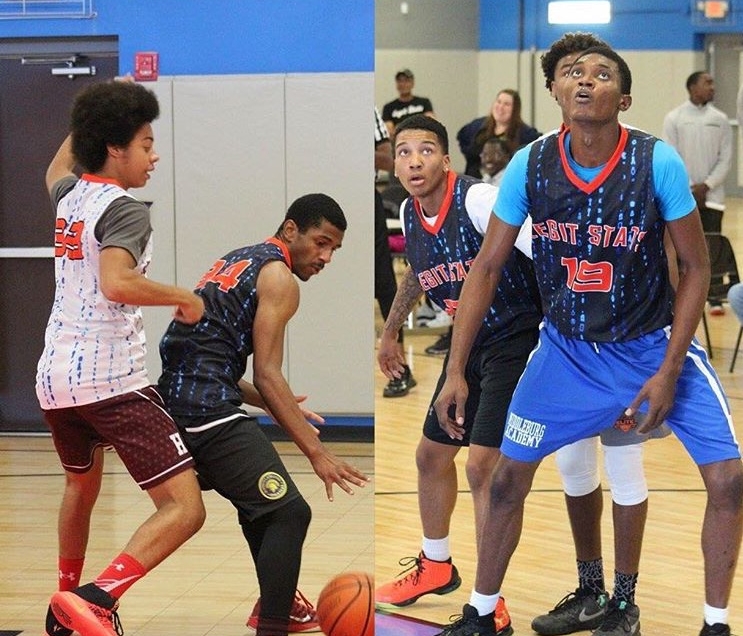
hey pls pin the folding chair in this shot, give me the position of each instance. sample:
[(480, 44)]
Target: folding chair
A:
[(724, 274), (737, 346)]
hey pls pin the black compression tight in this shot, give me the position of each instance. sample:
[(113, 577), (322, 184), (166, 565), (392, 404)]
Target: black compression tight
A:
[(275, 541)]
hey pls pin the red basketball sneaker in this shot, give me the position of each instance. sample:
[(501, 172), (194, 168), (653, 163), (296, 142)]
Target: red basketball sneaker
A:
[(502, 619), (302, 616), (87, 610), (427, 577)]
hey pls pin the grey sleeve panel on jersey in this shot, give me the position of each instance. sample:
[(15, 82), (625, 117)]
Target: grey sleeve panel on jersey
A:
[(61, 188), (125, 224)]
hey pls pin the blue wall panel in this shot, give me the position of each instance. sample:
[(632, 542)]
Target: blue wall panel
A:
[(205, 37), (636, 25), (497, 20)]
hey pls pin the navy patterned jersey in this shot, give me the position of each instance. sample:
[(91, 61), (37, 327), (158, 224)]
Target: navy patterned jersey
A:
[(203, 363), (598, 246), (441, 255)]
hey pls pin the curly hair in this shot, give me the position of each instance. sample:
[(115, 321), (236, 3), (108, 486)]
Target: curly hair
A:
[(108, 114), (567, 44)]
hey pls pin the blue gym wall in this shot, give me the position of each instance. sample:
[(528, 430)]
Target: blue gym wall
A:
[(214, 37), (635, 25)]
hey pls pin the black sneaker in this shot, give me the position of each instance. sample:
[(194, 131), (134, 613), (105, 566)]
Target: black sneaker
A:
[(54, 627), (578, 611), (400, 387), (470, 624), (718, 629), (441, 346), (622, 619)]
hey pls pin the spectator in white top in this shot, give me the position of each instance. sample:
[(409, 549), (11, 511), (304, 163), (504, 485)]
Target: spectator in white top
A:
[(703, 137)]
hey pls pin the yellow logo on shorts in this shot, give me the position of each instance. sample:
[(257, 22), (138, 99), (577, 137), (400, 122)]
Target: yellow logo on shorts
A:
[(272, 485)]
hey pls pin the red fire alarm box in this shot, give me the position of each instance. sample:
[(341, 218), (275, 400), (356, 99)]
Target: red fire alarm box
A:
[(146, 66), (714, 9)]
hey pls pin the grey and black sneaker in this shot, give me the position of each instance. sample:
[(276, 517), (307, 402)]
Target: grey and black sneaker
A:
[(578, 611), (718, 629), (441, 346), (470, 624), (54, 627), (622, 619)]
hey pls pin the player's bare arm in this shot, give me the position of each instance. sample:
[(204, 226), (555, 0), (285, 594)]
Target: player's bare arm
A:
[(121, 283), (62, 164), (278, 300), (252, 396), (475, 299), (409, 292), (694, 275)]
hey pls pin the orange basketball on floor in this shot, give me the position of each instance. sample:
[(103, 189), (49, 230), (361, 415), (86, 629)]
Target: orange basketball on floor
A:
[(345, 606)]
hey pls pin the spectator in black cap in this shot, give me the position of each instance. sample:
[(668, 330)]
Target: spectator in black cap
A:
[(406, 104)]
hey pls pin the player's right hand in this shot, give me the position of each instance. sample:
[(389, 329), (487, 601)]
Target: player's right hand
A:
[(390, 358), (190, 311), (449, 405), (659, 391), (334, 471)]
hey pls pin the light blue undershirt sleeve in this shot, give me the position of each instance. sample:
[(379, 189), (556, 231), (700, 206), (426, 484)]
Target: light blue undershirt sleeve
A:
[(671, 183)]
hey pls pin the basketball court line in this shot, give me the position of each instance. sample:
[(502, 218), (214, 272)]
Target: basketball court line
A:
[(391, 624), (380, 493)]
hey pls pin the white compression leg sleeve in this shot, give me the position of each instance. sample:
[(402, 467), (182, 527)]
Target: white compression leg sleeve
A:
[(624, 469), (578, 466)]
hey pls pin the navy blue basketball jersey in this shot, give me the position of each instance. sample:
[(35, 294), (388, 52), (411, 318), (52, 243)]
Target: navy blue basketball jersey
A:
[(203, 363), (598, 246), (441, 254)]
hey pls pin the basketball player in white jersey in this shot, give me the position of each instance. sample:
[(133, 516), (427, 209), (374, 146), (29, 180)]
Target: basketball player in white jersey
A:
[(91, 381)]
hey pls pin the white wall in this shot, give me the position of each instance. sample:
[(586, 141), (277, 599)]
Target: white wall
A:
[(245, 148)]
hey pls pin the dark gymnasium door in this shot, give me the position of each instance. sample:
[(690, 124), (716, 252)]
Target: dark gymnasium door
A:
[(39, 80)]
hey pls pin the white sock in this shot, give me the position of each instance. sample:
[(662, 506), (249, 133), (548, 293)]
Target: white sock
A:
[(436, 549), (714, 615), (485, 603)]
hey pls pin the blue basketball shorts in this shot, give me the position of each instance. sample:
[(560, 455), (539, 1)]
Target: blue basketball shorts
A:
[(571, 388)]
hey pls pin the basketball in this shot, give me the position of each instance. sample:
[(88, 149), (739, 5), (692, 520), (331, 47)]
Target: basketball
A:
[(345, 606)]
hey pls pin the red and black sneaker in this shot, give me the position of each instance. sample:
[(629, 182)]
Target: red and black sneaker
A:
[(87, 610), (302, 616)]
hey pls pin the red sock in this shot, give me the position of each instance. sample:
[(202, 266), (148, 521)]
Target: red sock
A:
[(118, 577), (69, 573)]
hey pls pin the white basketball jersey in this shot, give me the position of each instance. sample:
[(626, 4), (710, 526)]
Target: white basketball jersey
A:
[(94, 348)]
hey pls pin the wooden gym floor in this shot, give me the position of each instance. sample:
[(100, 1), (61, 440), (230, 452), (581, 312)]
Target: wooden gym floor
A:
[(208, 587), (542, 571)]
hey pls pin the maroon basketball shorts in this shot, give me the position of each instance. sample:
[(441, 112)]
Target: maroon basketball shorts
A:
[(135, 424)]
